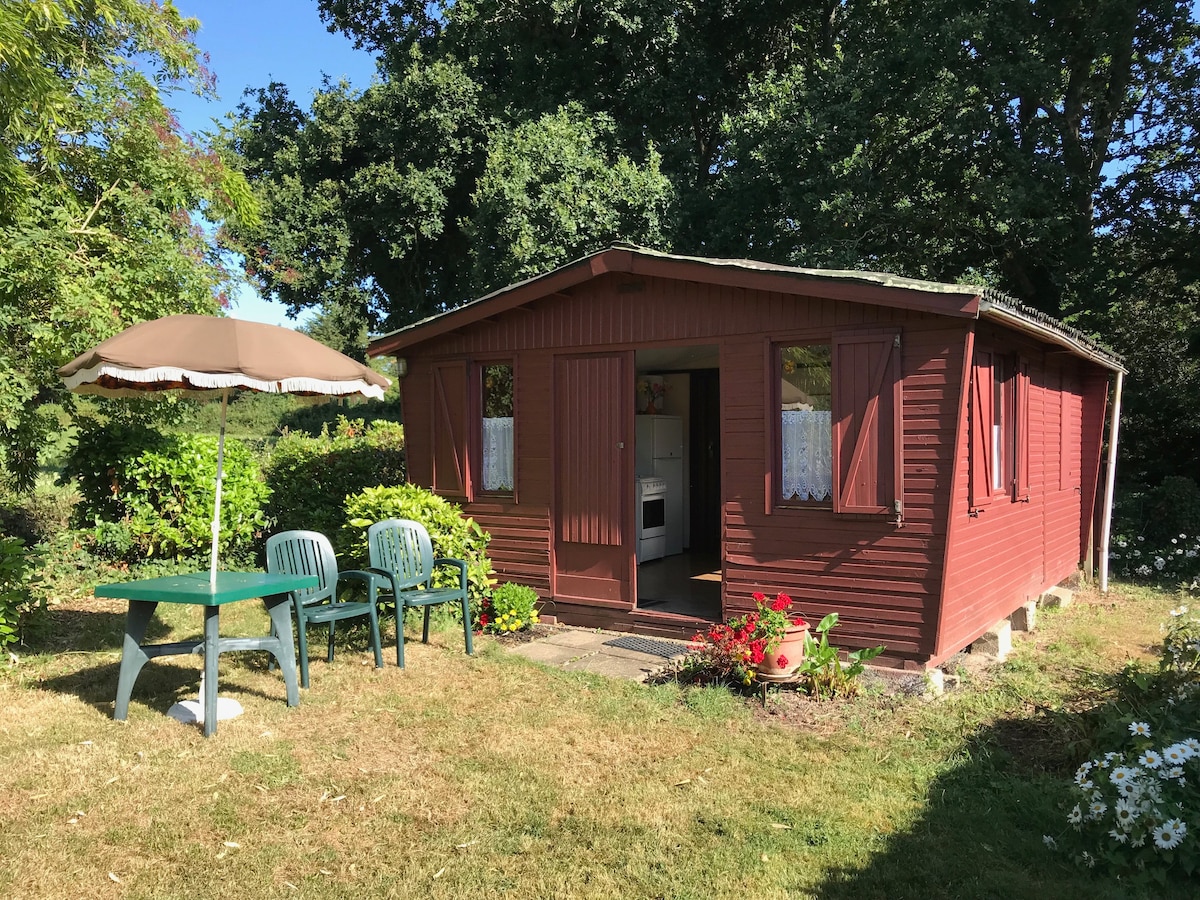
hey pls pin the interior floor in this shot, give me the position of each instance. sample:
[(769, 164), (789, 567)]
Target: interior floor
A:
[(685, 584)]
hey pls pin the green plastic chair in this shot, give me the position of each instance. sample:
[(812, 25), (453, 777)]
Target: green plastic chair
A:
[(310, 553), (401, 552)]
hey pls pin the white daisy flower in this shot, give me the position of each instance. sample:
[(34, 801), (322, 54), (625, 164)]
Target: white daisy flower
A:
[(1088, 859), (1168, 835), (1175, 755), (1049, 842), (1119, 836), (1097, 809), (1126, 813), (1123, 775), (1192, 744), (1139, 729), (1150, 759), (1138, 840), (1130, 789), (1075, 816)]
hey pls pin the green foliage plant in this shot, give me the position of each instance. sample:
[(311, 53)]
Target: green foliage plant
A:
[(1137, 814), (311, 477), (511, 607), (454, 536), (822, 673), (18, 568), (150, 495)]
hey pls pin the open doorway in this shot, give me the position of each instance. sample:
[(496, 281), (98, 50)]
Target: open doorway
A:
[(678, 484)]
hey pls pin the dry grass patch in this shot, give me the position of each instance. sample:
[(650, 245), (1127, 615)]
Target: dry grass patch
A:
[(491, 776)]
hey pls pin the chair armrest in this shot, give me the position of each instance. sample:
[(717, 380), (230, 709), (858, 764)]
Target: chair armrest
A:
[(384, 574), (460, 564), (370, 579)]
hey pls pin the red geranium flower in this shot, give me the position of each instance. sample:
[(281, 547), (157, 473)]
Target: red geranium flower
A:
[(781, 661)]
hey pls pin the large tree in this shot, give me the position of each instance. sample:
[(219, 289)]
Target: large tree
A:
[(99, 187), (1045, 147)]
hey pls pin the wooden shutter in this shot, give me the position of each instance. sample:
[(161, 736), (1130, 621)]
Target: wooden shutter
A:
[(981, 402), (868, 434), (1022, 480), (450, 429)]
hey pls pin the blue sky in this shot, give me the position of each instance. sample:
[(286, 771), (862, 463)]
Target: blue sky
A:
[(251, 43)]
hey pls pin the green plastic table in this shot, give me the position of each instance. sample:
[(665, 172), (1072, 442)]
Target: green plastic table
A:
[(144, 597)]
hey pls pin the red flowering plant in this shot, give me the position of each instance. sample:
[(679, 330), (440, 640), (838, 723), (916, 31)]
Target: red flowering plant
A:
[(731, 653)]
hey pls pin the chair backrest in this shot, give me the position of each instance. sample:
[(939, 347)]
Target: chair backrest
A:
[(304, 553), (402, 547)]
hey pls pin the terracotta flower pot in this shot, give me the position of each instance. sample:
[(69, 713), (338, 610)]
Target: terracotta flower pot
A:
[(791, 649)]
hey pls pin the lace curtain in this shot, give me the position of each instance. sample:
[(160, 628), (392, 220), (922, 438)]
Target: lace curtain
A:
[(498, 454), (807, 454)]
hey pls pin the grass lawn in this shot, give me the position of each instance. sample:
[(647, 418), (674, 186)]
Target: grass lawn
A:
[(490, 776)]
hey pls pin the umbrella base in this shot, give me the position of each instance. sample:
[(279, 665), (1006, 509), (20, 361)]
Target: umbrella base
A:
[(191, 712)]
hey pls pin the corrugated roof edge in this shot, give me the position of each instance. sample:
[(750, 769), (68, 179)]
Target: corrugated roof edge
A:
[(997, 305), (994, 304)]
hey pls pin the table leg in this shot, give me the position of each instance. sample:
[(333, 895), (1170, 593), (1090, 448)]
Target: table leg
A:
[(132, 656), (280, 608), (212, 650)]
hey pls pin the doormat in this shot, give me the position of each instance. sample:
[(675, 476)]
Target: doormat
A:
[(666, 649)]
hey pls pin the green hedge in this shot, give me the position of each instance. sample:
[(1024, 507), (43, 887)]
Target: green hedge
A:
[(453, 535), (310, 477), (149, 494)]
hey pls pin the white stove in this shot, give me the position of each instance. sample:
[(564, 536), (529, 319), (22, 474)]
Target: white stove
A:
[(651, 517)]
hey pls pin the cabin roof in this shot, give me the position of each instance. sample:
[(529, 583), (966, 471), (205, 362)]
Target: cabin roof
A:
[(877, 288)]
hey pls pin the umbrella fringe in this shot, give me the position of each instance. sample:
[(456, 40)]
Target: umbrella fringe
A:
[(80, 381)]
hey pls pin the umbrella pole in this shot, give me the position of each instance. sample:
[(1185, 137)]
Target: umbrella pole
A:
[(216, 522)]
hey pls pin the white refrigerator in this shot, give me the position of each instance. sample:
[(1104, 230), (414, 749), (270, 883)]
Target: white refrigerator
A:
[(659, 451)]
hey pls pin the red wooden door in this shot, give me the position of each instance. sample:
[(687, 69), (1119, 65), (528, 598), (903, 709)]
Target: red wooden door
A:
[(593, 544)]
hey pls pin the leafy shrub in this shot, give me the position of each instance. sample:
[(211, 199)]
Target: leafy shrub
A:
[(1138, 809), (512, 607), (157, 489), (822, 673), (17, 568), (453, 535), (310, 477), (314, 419)]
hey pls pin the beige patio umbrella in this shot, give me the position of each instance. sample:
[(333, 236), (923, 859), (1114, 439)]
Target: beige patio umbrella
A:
[(203, 356)]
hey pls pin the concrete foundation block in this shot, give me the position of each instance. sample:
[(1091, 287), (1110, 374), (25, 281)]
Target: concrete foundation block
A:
[(996, 641), (935, 682), (1057, 597), (1024, 616)]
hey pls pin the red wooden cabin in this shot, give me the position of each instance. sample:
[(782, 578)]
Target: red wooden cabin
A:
[(920, 458)]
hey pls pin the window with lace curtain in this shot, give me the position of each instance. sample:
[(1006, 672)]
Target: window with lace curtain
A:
[(805, 432), (496, 440)]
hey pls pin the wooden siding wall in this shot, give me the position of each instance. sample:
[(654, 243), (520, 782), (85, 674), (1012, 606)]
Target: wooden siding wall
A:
[(1012, 551), (883, 579)]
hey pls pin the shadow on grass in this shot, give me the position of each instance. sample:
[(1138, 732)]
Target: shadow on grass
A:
[(159, 685), (63, 629), (980, 834)]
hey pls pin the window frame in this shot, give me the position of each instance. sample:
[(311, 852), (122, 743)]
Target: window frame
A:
[(1004, 406), (775, 365), (477, 370), (885, 405)]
